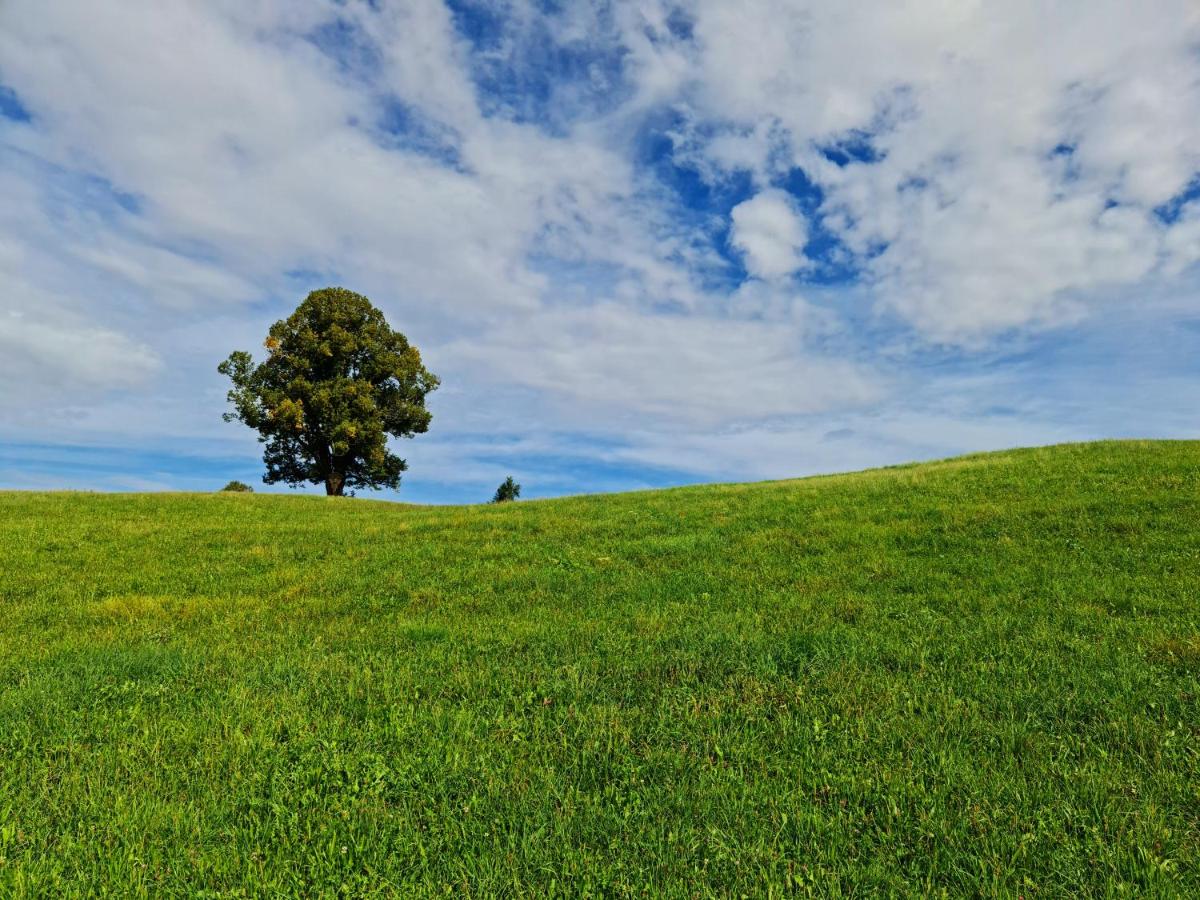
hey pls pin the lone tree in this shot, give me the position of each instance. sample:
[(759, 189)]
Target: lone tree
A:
[(508, 490), (337, 381)]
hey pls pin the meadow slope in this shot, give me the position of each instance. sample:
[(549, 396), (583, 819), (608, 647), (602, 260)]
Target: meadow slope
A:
[(977, 676)]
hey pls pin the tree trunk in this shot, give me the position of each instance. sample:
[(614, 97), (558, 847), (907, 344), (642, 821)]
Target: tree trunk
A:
[(335, 484)]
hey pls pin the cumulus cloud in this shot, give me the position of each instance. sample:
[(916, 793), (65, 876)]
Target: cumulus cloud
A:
[(769, 233), (989, 157)]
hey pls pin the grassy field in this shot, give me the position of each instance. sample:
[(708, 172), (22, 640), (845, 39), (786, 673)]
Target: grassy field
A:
[(978, 676)]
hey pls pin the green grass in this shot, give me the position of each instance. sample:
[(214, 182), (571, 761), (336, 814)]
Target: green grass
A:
[(978, 676)]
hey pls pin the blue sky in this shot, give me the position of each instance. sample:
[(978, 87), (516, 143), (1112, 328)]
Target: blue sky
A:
[(642, 244)]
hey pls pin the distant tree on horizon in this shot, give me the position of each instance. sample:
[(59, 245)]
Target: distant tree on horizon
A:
[(237, 487), (336, 383), (508, 491)]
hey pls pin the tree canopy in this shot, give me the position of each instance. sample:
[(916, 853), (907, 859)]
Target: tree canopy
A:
[(508, 491), (336, 383)]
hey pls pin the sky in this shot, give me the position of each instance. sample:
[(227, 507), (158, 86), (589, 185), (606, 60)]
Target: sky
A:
[(641, 243)]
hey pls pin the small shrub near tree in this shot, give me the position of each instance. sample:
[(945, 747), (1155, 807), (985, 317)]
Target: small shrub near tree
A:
[(508, 490), (238, 487)]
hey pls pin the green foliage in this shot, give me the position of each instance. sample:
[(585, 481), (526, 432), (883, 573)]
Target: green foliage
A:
[(238, 487), (970, 678), (336, 383), (508, 491)]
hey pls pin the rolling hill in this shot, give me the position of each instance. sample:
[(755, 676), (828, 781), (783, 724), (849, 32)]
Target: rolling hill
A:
[(976, 676)]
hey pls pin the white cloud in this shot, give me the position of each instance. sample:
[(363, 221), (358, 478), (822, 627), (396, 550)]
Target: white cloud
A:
[(609, 364), (966, 104), (66, 361), (770, 233), (1183, 240)]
